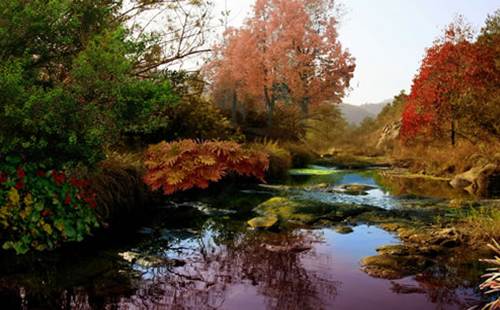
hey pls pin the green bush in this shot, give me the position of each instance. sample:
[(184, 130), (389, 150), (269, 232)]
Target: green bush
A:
[(40, 209), (74, 90)]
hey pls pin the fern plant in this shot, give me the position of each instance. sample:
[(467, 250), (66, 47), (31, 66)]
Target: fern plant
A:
[(493, 277), (185, 164)]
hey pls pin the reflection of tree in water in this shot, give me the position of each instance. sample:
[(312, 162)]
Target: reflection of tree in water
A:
[(419, 186), (452, 283), (207, 279)]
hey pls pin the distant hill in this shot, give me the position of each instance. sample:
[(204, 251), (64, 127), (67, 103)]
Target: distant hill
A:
[(356, 113)]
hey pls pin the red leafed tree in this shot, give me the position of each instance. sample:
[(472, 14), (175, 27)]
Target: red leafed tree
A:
[(450, 79), (286, 53), (185, 164)]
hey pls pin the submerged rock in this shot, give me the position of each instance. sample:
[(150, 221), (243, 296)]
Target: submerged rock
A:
[(394, 266), (263, 222), (287, 248), (213, 211), (147, 260)]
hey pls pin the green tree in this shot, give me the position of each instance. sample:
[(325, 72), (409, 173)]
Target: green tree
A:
[(75, 76)]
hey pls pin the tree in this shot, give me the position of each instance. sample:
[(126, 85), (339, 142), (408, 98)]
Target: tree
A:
[(286, 53), (442, 87), (455, 93), (76, 75), (171, 32)]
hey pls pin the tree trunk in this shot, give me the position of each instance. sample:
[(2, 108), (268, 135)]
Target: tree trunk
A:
[(233, 107), (305, 108), (244, 115), (270, 108)]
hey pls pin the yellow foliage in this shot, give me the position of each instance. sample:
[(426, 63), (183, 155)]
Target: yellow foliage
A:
[(47, 228), (59, 226), (13, 196), (28, 200)]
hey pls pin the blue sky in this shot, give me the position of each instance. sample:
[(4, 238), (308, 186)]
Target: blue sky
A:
[(387, 37)]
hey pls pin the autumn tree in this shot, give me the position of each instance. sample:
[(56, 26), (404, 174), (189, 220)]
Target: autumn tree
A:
[(287, 53), (441, 88), (454, 91), (486, 114)]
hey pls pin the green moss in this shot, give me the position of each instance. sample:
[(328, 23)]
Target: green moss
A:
[(311, 171), (310, 211)]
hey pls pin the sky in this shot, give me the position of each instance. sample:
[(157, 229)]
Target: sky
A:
[(388, 38)]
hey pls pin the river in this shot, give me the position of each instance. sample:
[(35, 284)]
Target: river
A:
[(200, 254)]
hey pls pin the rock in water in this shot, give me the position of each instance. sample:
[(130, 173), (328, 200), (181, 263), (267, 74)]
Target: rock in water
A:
[(262, 222), (479, 181), (343, 230), (393, 266), (287, 248)]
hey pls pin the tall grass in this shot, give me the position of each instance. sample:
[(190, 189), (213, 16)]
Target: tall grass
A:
[(480, 223), (118, 185)]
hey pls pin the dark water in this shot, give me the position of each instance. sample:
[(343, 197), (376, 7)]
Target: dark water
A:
[(184, 258)]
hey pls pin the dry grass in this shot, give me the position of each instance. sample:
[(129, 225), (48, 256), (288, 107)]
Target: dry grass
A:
[(442, 159), (119, 186)]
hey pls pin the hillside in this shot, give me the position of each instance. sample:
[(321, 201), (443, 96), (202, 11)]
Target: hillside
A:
[(356, 113)]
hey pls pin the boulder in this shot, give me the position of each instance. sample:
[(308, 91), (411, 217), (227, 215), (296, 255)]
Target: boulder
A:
[(388, 266), (480, 181), (344, 230), (263, 222), (390, 132)]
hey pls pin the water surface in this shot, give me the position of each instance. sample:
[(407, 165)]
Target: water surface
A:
[(184, 258)]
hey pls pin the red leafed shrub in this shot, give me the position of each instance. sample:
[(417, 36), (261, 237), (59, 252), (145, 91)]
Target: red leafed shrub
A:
[(185, 164)]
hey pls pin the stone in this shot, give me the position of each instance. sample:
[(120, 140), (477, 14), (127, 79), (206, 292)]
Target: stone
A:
[(311, 212), (396, 249), (389, 134), (287, 248), (357, 187), (390, 227), (146, 260), (263, 222), (343, 230), (394, 266), (481, 180)]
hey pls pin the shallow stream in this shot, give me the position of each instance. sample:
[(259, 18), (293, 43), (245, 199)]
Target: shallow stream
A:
[(201, 255)]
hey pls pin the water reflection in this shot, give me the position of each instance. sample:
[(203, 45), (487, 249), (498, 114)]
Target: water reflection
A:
[(189, 260), (392, 190), (241, 266)]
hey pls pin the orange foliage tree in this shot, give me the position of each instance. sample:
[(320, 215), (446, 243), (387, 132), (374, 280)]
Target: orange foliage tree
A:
[(185, 164), (451, 87), (287, 52)]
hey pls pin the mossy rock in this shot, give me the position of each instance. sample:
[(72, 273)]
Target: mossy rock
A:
[(263, 222), (394, 266), (391, 227), (395, 249), (310, 211), (344, 230), (357, 187)]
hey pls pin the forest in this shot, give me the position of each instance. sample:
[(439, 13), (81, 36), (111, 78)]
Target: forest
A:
[(110, 151)]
